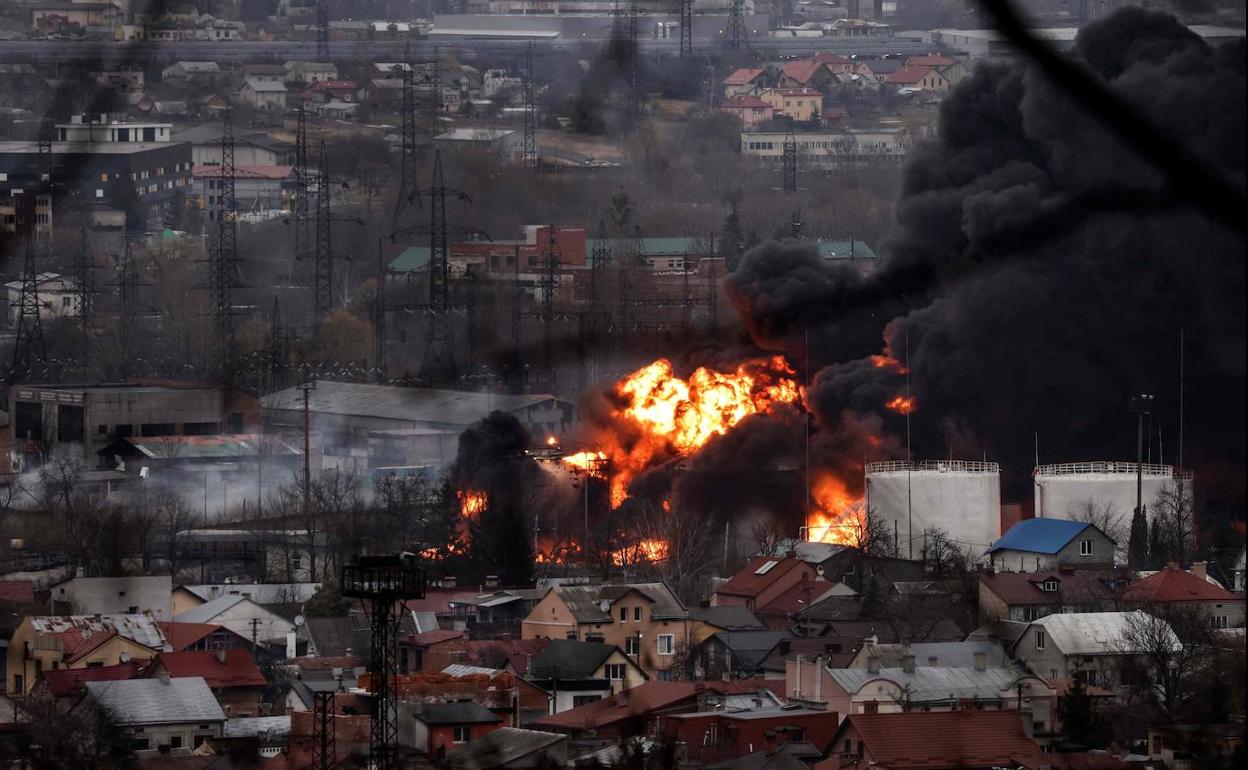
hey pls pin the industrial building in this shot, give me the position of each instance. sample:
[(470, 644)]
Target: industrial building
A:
[(1064, 490), (960, 497), (831, 149)]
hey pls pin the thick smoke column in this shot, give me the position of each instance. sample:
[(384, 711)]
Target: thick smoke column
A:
[(1040, 273)]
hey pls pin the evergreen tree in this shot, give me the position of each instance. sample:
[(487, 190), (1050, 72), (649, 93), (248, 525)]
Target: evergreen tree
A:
[(871, 599), (1137, 545), (1080, 722), (1158, 554)]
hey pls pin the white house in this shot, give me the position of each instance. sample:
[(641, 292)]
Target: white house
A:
[(56, 293), (242, 616), (263, 94)]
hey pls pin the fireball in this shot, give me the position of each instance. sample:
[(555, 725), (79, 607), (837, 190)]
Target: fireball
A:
[(836, 515)]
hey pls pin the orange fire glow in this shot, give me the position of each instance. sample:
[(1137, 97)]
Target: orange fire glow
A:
[(902, 404), (552, 441), (471, 502), (650, 549), (589, 462), (886, 361), (680, 415), (837, 516)]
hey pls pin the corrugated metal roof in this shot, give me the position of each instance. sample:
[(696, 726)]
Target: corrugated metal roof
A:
[(415, 405), (1039, 535), (947, 654), (930, 684), (460, 713), (137, 628), (205, 612), (260, 593), (463, 669), (1095, 633), (208, 447), (157, 701)]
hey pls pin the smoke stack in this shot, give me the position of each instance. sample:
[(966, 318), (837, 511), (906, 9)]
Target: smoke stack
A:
[(1199, 569), (907, 664), (873, 664), (981, 661)]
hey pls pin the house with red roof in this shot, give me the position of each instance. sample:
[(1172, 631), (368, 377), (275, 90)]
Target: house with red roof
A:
[(432, 650), (1025, 596), (747, 80), (804, 104), (718, 735), (232, 675), (1174, 587), (635, 711), (70, 682), (807, 73), (761, 581), (918, 78), (918, 740), (192, 637), (952, 70), (51, 642), (324, 91), (749, 109)]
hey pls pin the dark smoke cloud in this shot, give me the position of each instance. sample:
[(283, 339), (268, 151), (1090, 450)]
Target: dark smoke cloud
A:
[(1040, 273), (491, 458)]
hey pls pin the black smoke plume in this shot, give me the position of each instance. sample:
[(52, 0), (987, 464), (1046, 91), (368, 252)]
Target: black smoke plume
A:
[(1041, 272)]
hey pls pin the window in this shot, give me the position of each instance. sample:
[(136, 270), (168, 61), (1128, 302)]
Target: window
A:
[(665, 675), (667, 644), (637, 614), (1039, 639), (615, 671), (766, 567), (870, 707), (175, 741), (632, 645), (1049, 585), (581, 700), (1217, 621), (99, 193), (571, 636), (461, 734), (623, 614), (66, 301), (1085, 547)]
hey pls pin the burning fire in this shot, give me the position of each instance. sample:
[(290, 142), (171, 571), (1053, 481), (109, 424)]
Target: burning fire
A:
[(650, 549), (680, 416), (837, 516), (902, 404), (886, 361), (589, 462), (471, 502)]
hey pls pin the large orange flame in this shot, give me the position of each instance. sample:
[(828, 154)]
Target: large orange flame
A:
[(836, 516), (679, 416), (902, 404), (471, 502), (650, 549), (588, 462)]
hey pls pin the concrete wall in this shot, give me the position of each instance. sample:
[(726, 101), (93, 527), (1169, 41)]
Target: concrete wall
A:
[(113, 595), (965, 504), (189, 734)]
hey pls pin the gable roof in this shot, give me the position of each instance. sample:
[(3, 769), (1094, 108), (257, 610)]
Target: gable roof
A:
[(746, 102), (219, 668), (1025, 588), (728, 617), (947, 654), (750, 648), (909, 75), (265, 86), (916, 740), (79, 634), (460, 713), (634, 702), (260, 593), (802, 70), (68, 681), (1040, 535), (756, 576), (569, 659), (926, 683), (157, 701), (183, 635), (1094, 633), (498, 748), (1176, 585), (209, 610), (743, 76), (429, 638), (929, 60)]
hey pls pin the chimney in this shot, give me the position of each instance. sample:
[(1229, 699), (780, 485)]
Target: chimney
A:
[(907, 663), (873, 664), (981, 661), (784, 646), (1199, 569), (221, 656), (932, 661)]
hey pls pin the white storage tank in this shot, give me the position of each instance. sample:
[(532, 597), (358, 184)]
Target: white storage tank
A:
[(961, 497), (1064, 490)]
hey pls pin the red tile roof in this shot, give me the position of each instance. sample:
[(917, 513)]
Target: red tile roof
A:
[(75, 645), (908, 75), (17, 591), (802, 71), (936, 740), (930, 60), (742, 76), (67, 681), (328, 662), (1023, 588), (1175, 585), (744, 103), (183, 635), (219, 668), (430, 638), (829, 58), (636, 702), (798, 92), (748, 582)]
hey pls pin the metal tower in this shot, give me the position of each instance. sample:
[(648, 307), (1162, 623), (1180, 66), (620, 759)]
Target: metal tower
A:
[(435, 95), (632, 108), (223, 255), (381, 365), (324, 735), (409, 195), (29, 346), (514, 366), (323, 278), (384, 582), (127, 306), (790, 160), (322, 30), (84, 293), (736, 36), (598, 319), (275, 353), (303, 183), (530, 112), (549, 283), (686, 28)]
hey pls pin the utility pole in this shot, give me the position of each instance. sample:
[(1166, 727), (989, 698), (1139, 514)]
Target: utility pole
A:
[(1141, 405), (275, 355), (549, 283), (127, 305), (303, 183), (600, 261), (686, 29), (84, 294), (737, 36), (531, 159), (29, 346), (515, 374), (307, 387), (380, 362), (409, 195), (435, 96), (323, 294), (223, 256)]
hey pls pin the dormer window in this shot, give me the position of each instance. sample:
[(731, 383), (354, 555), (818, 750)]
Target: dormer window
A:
[(1049, 585)]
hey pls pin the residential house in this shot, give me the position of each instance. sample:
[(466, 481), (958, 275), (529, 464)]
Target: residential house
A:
[(384, 92), (749, 109), (53, 642), (187, 73), (849, 565), (436, 728), (1025, 596), (646, 620), (952, 70), (708, 737), (1044, 544), (259, 554), (1088, 646), (918, 79), (432, 650), (1173, 588), (338, 110), (633, 712), (1239, 571), (70, 683), (494, 613), (579, 672), (56, 296), (509, 747), (271, 72), (309, 72), (837, 64), (799, 104), (954, 740), (162, 713), (761, 580), (324, 91), (931, 654), (233, 676), (272, 595), (1181, 745), (806, 73), (193, 637), (242, 616), (263, 94), (744, 82), (737, 654), (511, 697), (147, 595), (912, 687)]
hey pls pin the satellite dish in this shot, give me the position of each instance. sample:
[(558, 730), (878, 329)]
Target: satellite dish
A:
[(124, 657), (298, 621)]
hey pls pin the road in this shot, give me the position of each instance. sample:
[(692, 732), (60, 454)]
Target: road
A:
[(103, 53)]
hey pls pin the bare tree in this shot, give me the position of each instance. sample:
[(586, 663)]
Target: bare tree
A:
[(943, 556), (174, 517), (768, 536), (84, 737), (687, 553), (88, 526), (1175, 515), (1105, 517)]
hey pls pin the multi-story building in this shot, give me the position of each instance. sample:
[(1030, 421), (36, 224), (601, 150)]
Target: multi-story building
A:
[(77, 641)]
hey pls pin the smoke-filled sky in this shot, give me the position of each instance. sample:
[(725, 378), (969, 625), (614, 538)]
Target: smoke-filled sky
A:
[(1040, 273)]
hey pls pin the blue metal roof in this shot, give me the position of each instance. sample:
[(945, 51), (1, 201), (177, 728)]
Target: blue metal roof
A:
[(1040, 535)]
